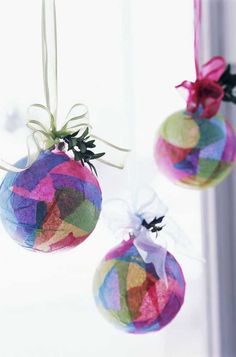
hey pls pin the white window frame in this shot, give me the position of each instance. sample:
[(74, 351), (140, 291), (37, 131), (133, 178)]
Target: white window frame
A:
[(219, 204)]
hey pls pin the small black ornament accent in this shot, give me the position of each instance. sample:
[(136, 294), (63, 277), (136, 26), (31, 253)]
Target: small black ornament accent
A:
[(228, 83), (81, 147), (154, 225)]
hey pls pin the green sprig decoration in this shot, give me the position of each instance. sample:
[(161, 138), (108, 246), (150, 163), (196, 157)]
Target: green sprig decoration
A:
[(228, 83), (81, 147)]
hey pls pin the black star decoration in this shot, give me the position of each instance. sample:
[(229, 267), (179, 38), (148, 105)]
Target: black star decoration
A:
[(154, 225)]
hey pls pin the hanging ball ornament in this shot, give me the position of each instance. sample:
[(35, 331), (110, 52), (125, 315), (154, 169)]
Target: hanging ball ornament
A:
[(131, 295), (55, 204), (196, 147), (194, 151), (50, 201)]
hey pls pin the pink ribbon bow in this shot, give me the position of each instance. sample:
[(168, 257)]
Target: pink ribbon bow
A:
[(205, 92)]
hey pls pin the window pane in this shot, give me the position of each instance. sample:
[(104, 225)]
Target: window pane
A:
[(122, 59)]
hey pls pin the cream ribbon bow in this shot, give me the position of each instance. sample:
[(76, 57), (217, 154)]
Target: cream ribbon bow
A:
[(42, 120)]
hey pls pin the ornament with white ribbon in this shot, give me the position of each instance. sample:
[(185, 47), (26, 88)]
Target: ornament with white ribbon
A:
[(144, 219)]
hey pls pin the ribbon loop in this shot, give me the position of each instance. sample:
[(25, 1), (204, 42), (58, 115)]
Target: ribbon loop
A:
[(213, 69), (77, 119), (39, 118)]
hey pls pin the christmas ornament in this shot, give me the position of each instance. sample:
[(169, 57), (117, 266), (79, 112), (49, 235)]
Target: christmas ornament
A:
[(55, 204), (139, 286), (51, 199), (196, 147), (195, 152)]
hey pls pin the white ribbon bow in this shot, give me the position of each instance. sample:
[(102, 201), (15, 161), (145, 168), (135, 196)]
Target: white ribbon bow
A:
[(125, 220)]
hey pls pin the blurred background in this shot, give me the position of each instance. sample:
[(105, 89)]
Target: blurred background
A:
[(121, 58)]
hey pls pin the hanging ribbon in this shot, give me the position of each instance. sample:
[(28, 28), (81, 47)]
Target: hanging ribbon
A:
[(126, 221), (205, 94), (197, 26), (42, 120)]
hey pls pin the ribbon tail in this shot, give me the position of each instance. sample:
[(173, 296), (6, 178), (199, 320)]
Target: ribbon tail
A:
[(115, 155), (152, 253), (32, 156), (159, 263), (188, 91), (181, 242)]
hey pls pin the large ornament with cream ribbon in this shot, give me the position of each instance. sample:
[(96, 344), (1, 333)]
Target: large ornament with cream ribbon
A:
[(51, 199)]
